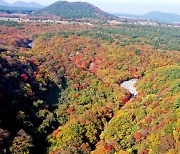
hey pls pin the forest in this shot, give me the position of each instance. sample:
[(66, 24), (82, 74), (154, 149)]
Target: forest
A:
[(63, 94)]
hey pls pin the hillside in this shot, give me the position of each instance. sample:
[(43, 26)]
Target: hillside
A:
[(74, 10)]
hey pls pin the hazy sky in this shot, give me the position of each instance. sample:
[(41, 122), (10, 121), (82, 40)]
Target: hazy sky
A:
[(125, 6)]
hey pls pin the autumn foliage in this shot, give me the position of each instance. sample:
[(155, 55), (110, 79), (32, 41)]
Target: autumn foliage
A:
[(64, 95)]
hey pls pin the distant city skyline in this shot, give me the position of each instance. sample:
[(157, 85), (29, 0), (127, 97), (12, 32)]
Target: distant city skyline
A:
[(138, 7)]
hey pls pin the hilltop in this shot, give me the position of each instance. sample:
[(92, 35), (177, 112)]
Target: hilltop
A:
[(74, 10)]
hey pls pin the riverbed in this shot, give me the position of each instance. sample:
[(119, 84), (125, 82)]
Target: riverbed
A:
[(129, 85)]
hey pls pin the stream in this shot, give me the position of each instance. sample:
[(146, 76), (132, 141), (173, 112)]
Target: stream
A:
[(129, 85), (30, 44)]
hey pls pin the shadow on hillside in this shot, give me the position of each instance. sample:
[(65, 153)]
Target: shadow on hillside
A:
[(19, 89)]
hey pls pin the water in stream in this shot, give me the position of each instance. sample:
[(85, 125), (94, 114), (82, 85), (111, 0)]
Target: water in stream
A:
[(129, 85)]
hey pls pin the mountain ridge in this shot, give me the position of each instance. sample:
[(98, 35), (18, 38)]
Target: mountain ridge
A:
[(21, 4), (154, 15), (4, 3), (163, 17)]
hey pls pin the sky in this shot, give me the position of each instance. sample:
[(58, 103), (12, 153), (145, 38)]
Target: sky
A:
[(138, 7)]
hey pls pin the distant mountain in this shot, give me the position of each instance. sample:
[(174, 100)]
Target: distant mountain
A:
[(156, 16), (21, 4), (19, 10), (126, 15), (29, 5), (74, 10), (163, 17), (4, 3)]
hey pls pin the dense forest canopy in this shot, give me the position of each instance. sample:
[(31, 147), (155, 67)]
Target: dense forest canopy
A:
[(63, 95)]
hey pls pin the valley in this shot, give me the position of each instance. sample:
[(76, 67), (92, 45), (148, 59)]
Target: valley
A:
[(77, 83)]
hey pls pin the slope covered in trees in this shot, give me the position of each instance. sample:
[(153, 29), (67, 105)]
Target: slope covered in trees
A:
[(74, 10), (63, 95)]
